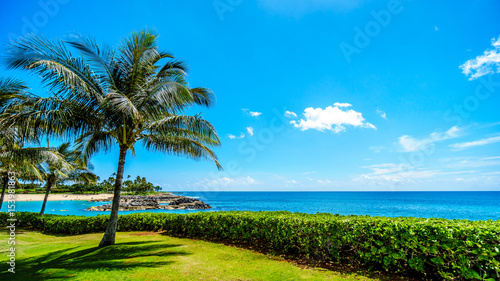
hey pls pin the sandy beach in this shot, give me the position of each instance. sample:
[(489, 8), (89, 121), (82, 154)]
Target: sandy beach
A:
[(61, 197)]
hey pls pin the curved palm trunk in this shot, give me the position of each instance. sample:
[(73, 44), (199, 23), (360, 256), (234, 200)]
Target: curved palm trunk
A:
[(48, 186), (109, 235), (5, 184)]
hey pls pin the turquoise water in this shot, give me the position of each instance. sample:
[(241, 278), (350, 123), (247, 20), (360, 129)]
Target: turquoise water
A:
[(450, 205)]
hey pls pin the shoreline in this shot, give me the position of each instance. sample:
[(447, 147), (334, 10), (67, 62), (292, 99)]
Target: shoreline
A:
[(61, 197)]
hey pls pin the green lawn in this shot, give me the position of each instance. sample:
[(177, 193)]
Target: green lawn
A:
[(145, 256)]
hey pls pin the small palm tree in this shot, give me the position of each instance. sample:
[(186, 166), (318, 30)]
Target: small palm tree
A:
[(131, 94), (55, 172)]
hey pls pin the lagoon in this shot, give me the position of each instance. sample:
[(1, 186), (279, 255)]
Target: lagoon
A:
[(448, 205)]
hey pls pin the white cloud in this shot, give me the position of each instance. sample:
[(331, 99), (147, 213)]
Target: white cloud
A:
[(465, 145), (307, 173), (250, 131), (410, 144), (342, 104), (252, 113), (231, 136), (436, 28), (487, 63), (382, 114), (331, 119), (290, 114), (291, 182)]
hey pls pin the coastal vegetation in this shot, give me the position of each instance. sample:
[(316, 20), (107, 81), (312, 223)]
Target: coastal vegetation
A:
[(138, 186), (105, 97), (424, 248)]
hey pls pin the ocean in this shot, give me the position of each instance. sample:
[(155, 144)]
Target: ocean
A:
[(449, 205)]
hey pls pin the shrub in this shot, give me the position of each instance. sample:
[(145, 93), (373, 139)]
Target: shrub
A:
[(434, 248)]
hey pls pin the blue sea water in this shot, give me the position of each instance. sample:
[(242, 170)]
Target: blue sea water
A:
[(449, 205)]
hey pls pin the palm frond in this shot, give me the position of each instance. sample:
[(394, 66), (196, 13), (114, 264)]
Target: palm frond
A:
[(180, 147), (60, 70)]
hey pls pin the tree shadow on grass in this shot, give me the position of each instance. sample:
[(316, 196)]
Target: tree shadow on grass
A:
[(68, 262)]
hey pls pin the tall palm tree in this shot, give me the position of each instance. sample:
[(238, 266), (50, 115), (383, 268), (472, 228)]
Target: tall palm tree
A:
[(55, 172), (122, 96), (14, 156)]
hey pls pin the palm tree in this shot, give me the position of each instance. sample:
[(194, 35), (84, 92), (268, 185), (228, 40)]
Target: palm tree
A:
[(55, 172), (122, 96), (14, 157)]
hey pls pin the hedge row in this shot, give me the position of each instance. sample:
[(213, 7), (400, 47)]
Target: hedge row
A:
[(435, 248)]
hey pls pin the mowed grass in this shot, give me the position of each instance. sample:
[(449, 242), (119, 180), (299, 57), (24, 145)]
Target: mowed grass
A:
[(145, 256)]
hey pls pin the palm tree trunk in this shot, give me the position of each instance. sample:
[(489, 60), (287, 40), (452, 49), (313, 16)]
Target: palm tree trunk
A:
[(109, 235), (5, 184), (48, 186)]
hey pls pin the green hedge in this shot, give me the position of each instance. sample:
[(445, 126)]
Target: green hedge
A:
[(434, 248)]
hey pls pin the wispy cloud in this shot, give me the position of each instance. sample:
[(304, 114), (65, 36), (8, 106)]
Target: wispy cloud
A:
[(252, 113), (436, 28), (487, 63), (410, 144), (470, 162), (377, 149), (290, 114), (385, 168), (250, 131), (331, 118), (481, 142), (395, 174), (489, 125), (231, 136), (323, 181), (226, 181), (342, 104), (382, 114)]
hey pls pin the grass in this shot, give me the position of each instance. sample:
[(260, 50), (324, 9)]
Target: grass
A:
[(145, 256)]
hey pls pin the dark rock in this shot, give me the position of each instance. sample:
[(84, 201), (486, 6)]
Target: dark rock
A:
[(152, 202)]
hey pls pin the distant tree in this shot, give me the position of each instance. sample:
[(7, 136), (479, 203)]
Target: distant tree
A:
[(139, 185)]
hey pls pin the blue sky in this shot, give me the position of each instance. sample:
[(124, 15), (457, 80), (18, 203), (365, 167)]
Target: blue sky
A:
[(313, 95)]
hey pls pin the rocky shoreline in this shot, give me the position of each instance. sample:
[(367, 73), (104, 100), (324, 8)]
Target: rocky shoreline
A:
[(152, 202)]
